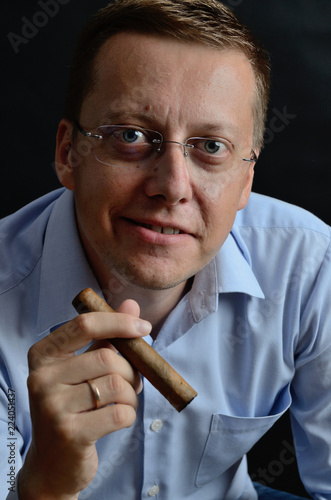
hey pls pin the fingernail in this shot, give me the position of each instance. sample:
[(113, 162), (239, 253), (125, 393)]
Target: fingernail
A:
[(140, 387), (143, 326)]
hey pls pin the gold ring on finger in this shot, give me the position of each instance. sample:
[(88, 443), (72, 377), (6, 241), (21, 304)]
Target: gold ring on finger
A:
[(95, 393)]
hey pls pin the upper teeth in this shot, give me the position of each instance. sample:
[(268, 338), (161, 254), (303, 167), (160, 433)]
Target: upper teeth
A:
[(164, 230)]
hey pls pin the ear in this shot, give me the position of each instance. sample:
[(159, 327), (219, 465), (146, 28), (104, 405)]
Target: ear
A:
[(63, 155), (248, 184)]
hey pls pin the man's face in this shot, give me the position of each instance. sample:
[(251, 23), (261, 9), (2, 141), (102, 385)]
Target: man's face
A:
[(181, 90)]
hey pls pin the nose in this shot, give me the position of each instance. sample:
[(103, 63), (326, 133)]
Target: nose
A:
[(169, 177)]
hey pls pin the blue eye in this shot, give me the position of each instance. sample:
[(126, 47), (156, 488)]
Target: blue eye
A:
[(213, 147), (132, 135)]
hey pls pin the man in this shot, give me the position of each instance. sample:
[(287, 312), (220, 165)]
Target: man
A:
[(163, 124)]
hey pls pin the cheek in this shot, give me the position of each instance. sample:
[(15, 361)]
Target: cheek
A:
[(97, 185), (91, 199), (223, 194), (219, 206), (226, 185)]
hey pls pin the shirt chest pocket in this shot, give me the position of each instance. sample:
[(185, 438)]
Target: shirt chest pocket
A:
[(231, 437)]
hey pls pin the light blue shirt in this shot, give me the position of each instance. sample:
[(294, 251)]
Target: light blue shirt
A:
[(253, 337)]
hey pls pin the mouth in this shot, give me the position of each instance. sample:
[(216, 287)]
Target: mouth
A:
[(163, 230), (170, 232), (158, 233)]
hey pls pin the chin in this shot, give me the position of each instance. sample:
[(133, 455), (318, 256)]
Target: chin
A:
[(150, 279)]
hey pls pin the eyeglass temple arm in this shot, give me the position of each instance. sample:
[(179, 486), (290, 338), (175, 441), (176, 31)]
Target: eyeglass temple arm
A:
[(86, 133), (253, 158)]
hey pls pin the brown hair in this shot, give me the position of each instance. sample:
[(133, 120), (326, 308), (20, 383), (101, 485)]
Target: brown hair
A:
[(208, 22)]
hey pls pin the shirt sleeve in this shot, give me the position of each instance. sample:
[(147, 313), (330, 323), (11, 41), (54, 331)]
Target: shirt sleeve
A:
[(311, 388)]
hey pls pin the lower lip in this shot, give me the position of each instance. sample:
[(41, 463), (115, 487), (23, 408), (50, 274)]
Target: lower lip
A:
[(152, 237)]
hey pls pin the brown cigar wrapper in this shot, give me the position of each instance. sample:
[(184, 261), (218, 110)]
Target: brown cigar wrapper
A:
[(142, 356)]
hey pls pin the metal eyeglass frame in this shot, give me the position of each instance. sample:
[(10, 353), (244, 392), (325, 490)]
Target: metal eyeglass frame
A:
[(253, 158)]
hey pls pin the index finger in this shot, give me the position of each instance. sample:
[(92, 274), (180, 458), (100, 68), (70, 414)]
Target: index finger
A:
[(81, 331)]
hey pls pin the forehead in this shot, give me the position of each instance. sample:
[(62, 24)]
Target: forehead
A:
[(137, 72)]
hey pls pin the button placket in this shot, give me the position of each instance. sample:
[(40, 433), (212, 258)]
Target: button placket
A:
[(157, 411)]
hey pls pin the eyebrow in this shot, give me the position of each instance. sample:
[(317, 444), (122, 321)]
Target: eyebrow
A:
[(145, 117), (220, 128)]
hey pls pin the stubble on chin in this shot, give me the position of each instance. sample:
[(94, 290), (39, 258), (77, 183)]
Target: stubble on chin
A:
[(147, 277)]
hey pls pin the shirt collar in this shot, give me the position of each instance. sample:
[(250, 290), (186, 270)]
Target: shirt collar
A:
[(228, 272), (64, 268)]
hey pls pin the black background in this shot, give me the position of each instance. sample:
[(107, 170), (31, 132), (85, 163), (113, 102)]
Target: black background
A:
[(294, 166)]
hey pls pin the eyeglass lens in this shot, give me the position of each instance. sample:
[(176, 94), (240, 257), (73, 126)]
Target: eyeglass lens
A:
[(123, 147)]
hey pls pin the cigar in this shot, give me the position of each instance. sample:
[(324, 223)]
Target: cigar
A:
[(142, 356)]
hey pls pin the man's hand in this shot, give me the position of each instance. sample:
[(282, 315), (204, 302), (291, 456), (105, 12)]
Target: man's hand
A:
[(62, 458)]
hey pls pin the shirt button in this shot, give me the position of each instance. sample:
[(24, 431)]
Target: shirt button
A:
[(156, 425), (154, 490)]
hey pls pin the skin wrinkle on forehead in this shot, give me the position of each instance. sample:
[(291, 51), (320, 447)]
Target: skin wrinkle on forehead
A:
[(135, 111)]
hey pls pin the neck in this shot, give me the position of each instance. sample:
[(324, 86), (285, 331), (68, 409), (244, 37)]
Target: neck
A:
[(155, 305)]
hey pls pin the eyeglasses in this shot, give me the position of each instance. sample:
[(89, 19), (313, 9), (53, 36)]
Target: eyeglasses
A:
[(132, 146)]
